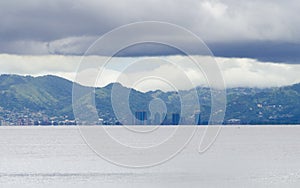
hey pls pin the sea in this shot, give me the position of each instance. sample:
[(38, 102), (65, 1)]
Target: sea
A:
[(240, 156)]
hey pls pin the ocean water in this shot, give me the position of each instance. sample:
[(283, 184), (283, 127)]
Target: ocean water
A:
[(241, 156)]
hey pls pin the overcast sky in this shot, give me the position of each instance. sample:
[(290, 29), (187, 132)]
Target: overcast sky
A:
[(264, 29), (46, 36)]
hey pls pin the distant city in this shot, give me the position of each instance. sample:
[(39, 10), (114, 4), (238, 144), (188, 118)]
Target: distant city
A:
[(8, 118), (27, 118), (47, 100)]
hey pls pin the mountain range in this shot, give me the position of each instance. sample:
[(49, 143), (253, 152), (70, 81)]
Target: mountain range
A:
[(49, 98)]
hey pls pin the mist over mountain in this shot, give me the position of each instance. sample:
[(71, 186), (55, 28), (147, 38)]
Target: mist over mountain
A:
[(48, 100)]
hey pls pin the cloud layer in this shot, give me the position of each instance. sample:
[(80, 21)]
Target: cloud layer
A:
[(69, 27), (237, 72)]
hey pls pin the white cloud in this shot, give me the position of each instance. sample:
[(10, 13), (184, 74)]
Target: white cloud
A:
[(150, 73), (245, 72), (216, 9)]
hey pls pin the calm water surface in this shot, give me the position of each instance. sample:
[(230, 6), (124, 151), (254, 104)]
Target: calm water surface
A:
[(246, 156)]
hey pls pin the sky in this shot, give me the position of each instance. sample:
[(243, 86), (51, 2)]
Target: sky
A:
[(251, 40)]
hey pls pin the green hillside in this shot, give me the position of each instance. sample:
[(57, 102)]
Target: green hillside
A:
[(49, 97)]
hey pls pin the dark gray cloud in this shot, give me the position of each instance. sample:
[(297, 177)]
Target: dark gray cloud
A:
[(265, 29), (268, 51)]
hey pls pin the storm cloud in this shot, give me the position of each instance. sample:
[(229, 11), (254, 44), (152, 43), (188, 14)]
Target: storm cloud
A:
[(267, 30)]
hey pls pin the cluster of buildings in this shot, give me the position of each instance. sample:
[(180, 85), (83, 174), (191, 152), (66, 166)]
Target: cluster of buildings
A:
[(25, 117), (142, 118)]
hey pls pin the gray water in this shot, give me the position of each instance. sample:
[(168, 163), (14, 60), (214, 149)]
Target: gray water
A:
[(245, 156)]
